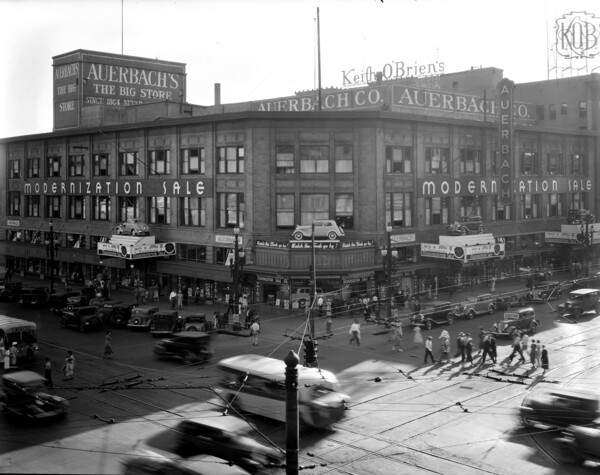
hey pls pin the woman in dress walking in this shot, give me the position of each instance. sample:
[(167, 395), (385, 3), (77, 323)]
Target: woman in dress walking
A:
[(108, 351), (69, 367)]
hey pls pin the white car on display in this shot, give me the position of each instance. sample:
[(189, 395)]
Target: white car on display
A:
[(324, 228), (135, 227)]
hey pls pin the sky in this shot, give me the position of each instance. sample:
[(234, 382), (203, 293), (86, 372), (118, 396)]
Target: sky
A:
[(262, 49)]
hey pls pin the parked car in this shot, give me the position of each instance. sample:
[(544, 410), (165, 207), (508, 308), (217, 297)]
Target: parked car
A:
[(580, 302), (560, 408), (59, 300), (548, 291), (34, 296), (515, 322), (11, 292), (579, 443), (23, 398), (438, 313), (466, 225), (193, 322), (190, 346), (77, 301), (135, 227), (324, 229), (508, 301), (142, 317), (116, 314), (475, 306), (164, 323), (82, 318), (225, 437)]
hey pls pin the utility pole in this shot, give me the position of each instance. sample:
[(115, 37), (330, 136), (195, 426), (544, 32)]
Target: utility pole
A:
[(314, 286), (292, 434)]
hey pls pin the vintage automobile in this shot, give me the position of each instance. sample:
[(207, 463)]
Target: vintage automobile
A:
[(474, 306), (116, 314), (135, 227), (580, 302), (142, 317), (11, 292), (466, 225), (515, 322), (82, 318), (23, 398), (508, 301), (77, 301), (579, 443), (580, 216), (438, 313), (164, 323), (149, 462), (224, 437), (192, 322), (34, 296), (190, 346), (591, 281), (324, 229), (548, 291), (58, 301), (302, 295), (560, 408)]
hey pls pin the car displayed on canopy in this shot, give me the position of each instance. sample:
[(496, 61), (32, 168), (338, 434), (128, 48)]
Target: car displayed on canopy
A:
[(466, 225), (324, 229), (134, 227)]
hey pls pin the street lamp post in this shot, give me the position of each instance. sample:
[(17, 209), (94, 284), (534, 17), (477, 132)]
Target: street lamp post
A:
[(588, 239), (237, 268), (51, 243), (388, 255)]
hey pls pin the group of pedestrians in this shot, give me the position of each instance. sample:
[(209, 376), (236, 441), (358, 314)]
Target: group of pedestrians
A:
[(538, 354)]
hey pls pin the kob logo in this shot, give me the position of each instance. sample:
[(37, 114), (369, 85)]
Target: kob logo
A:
[(578, 35)]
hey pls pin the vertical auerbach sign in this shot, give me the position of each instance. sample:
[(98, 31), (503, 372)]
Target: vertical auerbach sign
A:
[(506, 127)]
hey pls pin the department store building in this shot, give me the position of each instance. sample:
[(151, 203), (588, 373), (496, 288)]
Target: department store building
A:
[(413, 154)]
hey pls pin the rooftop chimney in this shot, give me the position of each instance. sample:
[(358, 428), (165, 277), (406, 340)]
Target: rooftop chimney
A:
[(217, 94)]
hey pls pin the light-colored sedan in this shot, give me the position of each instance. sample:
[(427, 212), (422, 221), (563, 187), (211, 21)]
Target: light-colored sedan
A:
[(135, 227), (324, 228)]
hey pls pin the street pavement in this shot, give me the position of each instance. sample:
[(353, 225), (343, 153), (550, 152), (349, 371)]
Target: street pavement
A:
[(407, 417)]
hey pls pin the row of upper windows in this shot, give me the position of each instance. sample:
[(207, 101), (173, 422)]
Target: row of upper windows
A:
[(192, 162), (230, 210), (553, 109), (313, 159)]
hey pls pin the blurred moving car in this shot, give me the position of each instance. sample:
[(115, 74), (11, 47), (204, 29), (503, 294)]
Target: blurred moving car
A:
[(142, 317), (560, 408), (302, 295), (225, 437), (466, 225), (438, 313), (22, 398), (579, 443), (324, 229), (580, 302), (135, 227), (190, 346), (515, 322), (548, 291), (148, 462)]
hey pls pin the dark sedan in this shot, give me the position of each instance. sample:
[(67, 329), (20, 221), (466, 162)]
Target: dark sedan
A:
[(34, 296)]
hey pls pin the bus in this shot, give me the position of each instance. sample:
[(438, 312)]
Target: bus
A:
[(22, 332), (256, 384)]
